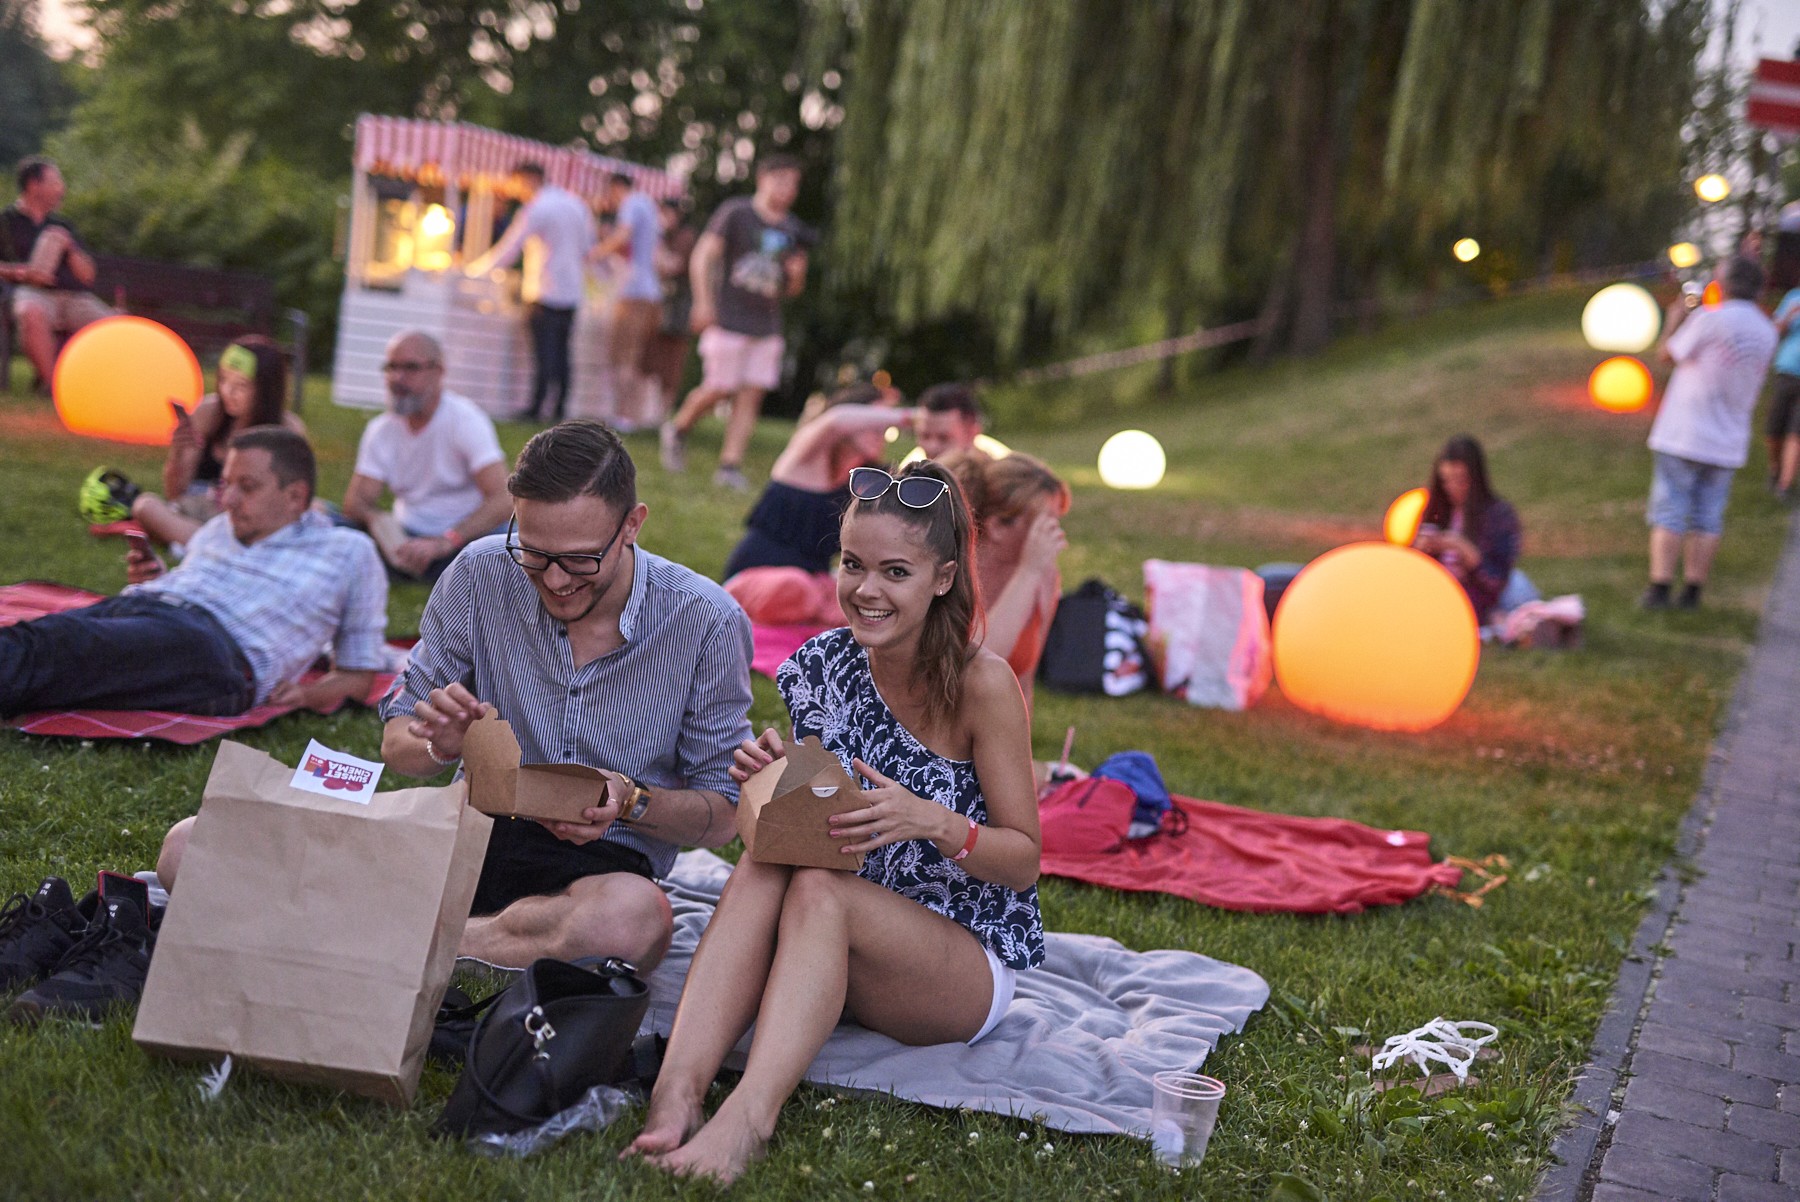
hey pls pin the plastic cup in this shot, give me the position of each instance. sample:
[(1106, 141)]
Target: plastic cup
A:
[(1183, 1109)]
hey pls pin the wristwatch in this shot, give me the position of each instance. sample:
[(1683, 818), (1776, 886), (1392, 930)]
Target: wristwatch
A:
[(633, 809)]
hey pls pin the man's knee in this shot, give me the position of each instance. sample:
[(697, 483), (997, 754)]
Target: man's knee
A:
[(32, 315), (168, 861), (620, 914)]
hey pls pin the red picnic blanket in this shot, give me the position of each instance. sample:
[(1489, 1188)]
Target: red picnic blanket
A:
[(35, 598), (1238, 859)]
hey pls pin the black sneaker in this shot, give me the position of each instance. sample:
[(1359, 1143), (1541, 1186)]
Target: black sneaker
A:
[(106, 969), (38, 929)]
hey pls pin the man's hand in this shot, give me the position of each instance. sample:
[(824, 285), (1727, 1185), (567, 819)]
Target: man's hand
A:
[(443, 718), (701, 317), (141, 563), (600, 817), (416, 554)]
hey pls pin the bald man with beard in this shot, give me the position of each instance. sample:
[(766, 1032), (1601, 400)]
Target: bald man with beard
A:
[(437, 453)]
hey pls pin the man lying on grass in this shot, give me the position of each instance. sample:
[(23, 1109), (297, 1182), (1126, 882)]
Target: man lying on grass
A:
[(266, 586)]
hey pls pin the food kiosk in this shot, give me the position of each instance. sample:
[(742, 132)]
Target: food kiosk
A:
[(428, 196)]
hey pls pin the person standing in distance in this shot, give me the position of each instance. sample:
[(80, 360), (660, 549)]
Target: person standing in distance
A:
[(752, 257), (638, 310), (1701, 434), (554, 231)]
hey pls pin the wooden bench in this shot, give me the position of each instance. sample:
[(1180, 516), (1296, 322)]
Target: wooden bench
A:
[(207, 306)]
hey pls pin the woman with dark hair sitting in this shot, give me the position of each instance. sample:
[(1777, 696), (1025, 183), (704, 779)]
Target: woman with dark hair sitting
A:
[(1467, 528), (780, 571), (923, 944), (253, 382)]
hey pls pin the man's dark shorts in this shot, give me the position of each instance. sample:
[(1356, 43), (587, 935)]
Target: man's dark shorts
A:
[(526, 860), (1784, 406)]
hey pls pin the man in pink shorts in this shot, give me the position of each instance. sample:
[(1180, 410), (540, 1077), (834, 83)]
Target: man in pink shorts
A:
[(751, 257)]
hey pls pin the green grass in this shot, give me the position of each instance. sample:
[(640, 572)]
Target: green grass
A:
[(1576, 766)]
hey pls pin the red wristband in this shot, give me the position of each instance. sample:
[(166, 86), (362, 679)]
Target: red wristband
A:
[(969, 845)]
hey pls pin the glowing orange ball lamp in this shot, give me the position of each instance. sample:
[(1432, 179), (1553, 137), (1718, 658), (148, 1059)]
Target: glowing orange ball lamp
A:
[(116, 378), (1620, 384), (1376, 635), (1712, 296), (1401, 525)]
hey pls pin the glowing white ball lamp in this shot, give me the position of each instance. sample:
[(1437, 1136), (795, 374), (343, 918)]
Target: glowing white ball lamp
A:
[(1621, 317), (1132, 459)]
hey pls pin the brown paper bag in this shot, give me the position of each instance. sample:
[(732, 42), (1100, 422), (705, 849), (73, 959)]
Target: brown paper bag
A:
[(782, 810), (311, 936)]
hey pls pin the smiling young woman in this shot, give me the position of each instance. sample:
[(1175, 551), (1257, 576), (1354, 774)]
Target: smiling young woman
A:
[(924, 942)]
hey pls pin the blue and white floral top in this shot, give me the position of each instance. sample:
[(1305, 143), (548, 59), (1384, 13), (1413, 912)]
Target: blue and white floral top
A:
[(830, 692)]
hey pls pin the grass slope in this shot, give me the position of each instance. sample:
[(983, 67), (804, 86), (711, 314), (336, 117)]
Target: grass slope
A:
[(1574, 766)]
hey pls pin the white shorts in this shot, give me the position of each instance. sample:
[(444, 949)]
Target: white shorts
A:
[(65, 309), (1006, 980), (730, 361)]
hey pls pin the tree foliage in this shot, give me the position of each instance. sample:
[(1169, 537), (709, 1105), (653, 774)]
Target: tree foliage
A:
[(34, 96), (1234, 155), (253, 103)]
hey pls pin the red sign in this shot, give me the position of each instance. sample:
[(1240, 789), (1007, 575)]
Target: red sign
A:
[(1775, 96)]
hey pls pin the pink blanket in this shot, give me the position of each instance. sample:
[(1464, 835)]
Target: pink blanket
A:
[(775, 643)]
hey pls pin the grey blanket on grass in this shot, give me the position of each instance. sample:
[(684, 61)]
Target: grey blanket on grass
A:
[(1075, 1051)]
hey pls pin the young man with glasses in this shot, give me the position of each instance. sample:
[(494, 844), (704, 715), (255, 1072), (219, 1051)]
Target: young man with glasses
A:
[(597, 652), (439, 456)]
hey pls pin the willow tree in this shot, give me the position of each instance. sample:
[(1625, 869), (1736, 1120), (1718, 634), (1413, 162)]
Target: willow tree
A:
[(1228, 156)]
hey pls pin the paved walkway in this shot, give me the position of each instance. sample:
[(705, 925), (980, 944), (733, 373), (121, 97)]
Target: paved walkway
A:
[(1704, 1030)]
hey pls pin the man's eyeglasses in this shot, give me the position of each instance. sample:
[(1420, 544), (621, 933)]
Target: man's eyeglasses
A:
[(407, 365), (915, 492), (533, 560)]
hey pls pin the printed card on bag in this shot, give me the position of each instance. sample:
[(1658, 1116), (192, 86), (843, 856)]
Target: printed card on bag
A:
[(336, 774)]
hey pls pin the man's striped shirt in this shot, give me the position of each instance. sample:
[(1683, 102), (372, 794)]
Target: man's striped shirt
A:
[(667, 707)]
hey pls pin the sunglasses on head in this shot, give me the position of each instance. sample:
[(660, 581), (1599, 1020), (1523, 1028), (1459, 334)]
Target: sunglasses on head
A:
[(915, 492)]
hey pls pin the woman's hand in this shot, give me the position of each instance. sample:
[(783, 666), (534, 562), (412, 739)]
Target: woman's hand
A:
[(892, 815), (183, 438), (1044, 543), (753, 755)]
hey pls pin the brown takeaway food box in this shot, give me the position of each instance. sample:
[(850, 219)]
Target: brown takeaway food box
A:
[(782, 810), (500, 785)]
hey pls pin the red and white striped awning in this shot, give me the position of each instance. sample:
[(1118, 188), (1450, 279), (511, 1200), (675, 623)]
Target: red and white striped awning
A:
[(1774, 102), (436, 152)]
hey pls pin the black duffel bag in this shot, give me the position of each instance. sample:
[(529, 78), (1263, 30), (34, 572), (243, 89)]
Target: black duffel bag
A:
[(554, 1034)]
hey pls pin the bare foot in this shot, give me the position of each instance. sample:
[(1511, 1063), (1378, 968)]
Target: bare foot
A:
[(674, 1115), (721, 1150)]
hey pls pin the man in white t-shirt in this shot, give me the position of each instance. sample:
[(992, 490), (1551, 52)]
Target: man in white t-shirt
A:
[(554, 230), (1701, 434), (438, 454)]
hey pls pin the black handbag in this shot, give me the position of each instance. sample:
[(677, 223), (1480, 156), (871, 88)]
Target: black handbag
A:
[(1095, 644), (554, 1034)]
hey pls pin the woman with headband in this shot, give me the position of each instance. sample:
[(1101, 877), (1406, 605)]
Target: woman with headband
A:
[(252, 391)]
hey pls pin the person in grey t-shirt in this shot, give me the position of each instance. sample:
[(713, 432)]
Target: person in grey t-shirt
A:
[(752, 256)]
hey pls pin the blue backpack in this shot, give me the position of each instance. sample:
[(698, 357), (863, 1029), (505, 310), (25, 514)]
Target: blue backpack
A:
[(1138, 770)]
